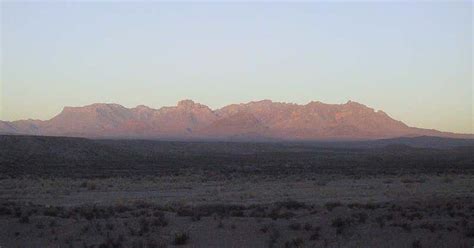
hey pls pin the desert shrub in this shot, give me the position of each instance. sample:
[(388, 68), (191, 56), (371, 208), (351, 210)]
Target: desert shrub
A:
[(220, 209), (98, 228), (40, 226), (290, 204), (159, 221), (258, 212), (279, 214), (331, 205), (413, 180), (138, 243), (5, 211), (371, 206), (469, 232), (416, 244), (462, 215), (85, 229), (390, 216), (322, 182), (158, 213), (295, 242), (396, 208), (223, 210), (87, 213), (451, 228), (144, 226), (274, 236), (237, 213), (354, 205), (315, 235), (187, 211), (93, 212), (404, 226), (143, 212), (265, 228), (449, 206), (132, 231), (388, 181), (196, 217), (361, 217), (110, 226), (142, 204), (151, 243), (341, 224), (448, 179), (111, 243), (180, 238), (83, 184), (295, 226), (51, 211), (122, 208), (413, 216), (91, 186), (121, 238), (53, 223), (430, 226), (24, 219), (68, 214), (381, 221)]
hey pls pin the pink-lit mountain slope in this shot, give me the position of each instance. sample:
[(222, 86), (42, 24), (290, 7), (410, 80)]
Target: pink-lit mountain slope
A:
[(250, 121)]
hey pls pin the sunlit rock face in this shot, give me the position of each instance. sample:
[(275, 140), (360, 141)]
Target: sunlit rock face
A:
[(259, 120)]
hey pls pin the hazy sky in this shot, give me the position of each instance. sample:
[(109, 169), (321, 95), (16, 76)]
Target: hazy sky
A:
[(412, 60)]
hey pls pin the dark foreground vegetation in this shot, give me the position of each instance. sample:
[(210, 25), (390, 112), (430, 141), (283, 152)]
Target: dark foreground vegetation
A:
[(69, 192), (281, 224)]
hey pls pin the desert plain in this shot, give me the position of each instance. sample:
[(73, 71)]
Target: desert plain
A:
[(74, 192)]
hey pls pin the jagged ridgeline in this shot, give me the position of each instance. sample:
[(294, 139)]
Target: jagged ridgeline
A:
[(261, 120)]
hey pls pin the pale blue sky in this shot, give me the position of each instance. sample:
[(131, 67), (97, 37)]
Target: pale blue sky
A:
[(412, 60)]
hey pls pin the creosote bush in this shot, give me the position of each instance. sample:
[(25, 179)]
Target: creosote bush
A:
[(331, 205), (180, 238)]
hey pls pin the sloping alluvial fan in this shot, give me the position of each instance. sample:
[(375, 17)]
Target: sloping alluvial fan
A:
[(36, 149), (261, 120), (80, 157)]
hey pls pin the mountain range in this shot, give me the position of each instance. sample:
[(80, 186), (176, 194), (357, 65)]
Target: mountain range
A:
[(258, 120)]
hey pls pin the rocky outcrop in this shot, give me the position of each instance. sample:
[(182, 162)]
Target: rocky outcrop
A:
[(254, 120)]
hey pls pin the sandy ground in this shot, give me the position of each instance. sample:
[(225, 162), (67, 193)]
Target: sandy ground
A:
[(195, 190)]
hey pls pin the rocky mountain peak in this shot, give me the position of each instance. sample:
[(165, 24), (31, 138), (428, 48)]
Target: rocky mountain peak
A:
[(265, 118)]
